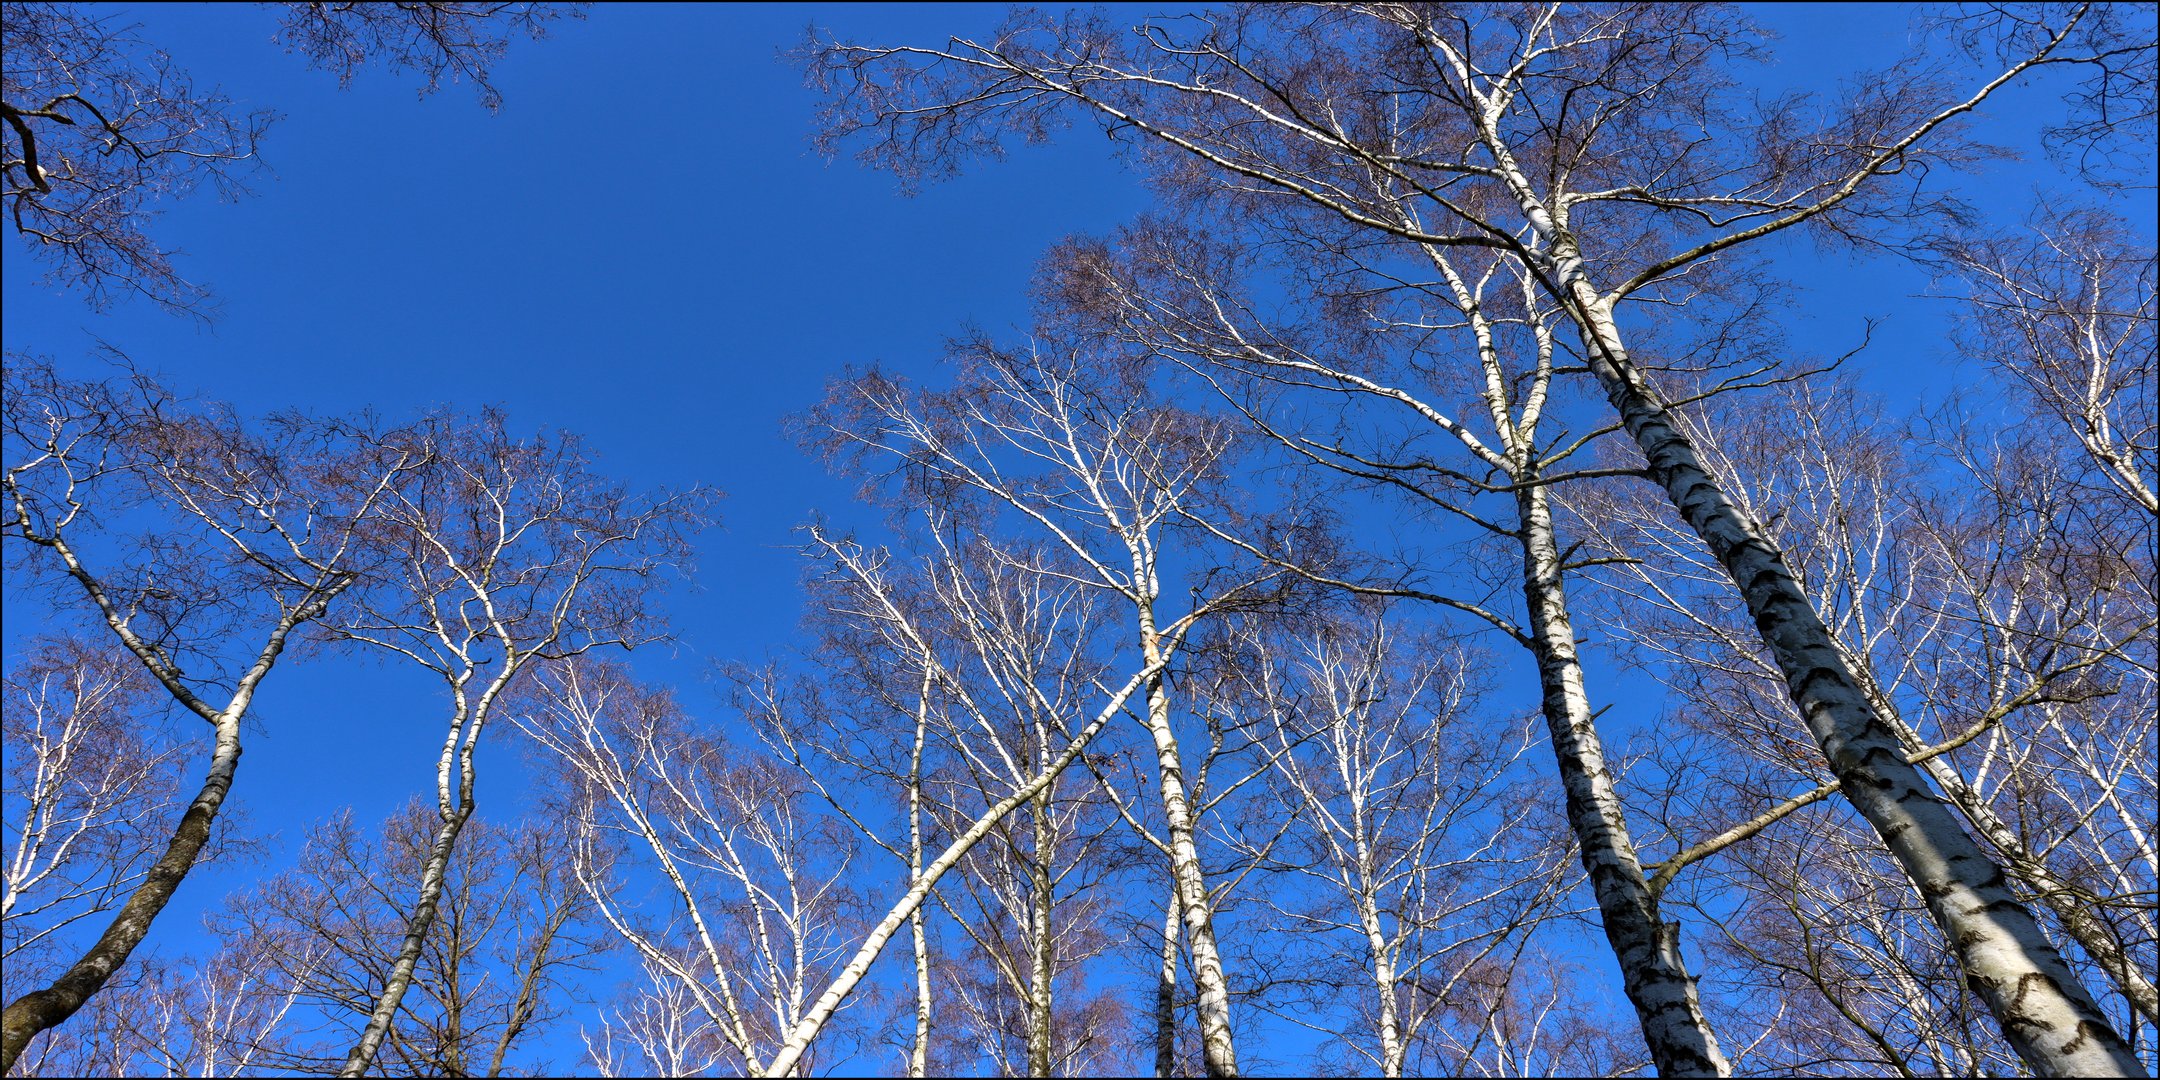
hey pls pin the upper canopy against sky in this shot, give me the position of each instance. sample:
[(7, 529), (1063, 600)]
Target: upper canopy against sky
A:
[(641, 247)]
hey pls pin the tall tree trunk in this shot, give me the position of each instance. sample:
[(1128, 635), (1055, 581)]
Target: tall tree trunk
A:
[(2045, 1011), (1383, 970), (41, 1010), (1166, 989), (919, 1052), (432, 877), (1652, 971), (2061, 897), (1040, 933), (1217, 1043)]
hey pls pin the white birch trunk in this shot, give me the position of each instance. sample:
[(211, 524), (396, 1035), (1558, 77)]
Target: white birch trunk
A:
[(1383, 972), (2061, 897), (1652, 970), (2044, 1010), (432, 876), (919, 1052), (1216, 1040), (1040, 939), (799, 1039)]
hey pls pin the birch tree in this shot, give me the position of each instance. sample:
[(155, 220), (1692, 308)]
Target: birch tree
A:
[(656, 1029), (1074, 450), (1418, 844), (989, 653), (1417, 433), (515, 932), (218, 1014), (1608, 149), (498, 553), (756, 907), (1984, 629), (203, 545), (873, 732), (2065, 312)]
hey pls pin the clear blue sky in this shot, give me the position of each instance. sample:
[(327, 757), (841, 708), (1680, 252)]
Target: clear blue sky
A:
[(641, 247)]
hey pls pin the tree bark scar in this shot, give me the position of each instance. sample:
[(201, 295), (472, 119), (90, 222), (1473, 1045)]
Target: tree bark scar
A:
[(1804, 687), (1880, 753)]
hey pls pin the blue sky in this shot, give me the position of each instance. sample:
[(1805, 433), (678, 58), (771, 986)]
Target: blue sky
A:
[(642, 247)]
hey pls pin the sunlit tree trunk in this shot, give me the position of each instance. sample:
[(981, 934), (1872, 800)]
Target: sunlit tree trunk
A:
[(1042, 931), (1216, 1039), (2042, 1005), (1648, 948), (63, 438), (798, 1040), (919, 1049)]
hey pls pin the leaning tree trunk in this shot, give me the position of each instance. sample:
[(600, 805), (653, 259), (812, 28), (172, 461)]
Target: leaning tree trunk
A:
[(401, 973), (2045, 1011), (2060, 896), (851, 974), (1653, 973), (41, 1010)]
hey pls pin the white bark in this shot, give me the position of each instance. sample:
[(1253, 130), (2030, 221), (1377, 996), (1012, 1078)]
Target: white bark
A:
[(2044, 1009), (559, 565), (1655, 976), (1648, 948), (1217, 1041), (1166, 982), (1042, 937), (80, 769), (843, 984), (1217, 91), (432, 876), (919, 1050)]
